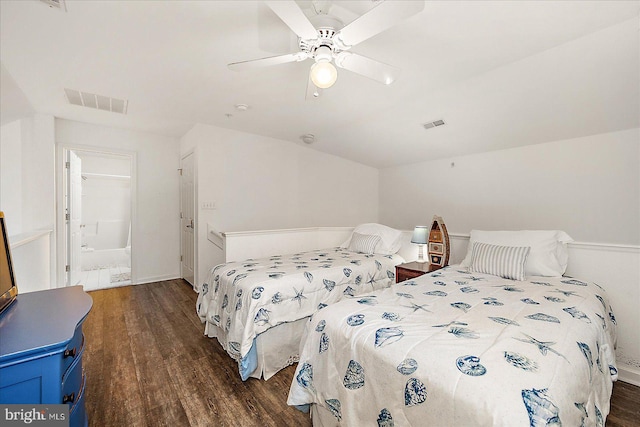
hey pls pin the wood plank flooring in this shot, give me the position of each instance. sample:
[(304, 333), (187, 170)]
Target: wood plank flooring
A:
[(148, 364)]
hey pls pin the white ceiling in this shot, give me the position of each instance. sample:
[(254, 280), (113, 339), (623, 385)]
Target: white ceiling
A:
[(501, 73)]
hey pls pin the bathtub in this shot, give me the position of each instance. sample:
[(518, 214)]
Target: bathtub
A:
[(93, 259)]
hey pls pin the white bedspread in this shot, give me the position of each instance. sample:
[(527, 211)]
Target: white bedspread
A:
[(247, 298), (452, 348)]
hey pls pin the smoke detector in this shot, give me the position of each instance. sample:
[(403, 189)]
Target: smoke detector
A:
[(59, 4), (308, 138)]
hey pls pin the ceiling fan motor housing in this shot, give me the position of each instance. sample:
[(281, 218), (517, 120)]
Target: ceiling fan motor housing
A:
[(323, 53), (326, 46)]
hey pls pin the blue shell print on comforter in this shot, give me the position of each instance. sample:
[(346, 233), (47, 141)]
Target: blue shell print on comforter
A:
[(454, 348), (246, 298)]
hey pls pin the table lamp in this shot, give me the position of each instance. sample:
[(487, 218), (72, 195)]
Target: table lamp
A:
[(421, 237)]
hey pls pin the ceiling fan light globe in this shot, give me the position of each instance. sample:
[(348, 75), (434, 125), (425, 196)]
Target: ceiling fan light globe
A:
[(323, 74)]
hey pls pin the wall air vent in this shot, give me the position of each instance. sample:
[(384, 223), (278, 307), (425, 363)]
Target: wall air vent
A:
[(59, 4), (434, 124), (99, 102)]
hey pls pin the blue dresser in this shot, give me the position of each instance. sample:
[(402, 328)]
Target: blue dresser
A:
[(41, 348)]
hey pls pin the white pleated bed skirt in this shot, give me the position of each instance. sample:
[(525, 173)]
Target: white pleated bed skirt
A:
[(277, 348)]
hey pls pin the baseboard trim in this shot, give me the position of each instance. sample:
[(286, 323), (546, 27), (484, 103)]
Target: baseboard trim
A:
[(629, 374), (152, 279)]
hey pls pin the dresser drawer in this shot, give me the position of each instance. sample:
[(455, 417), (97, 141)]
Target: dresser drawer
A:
[(72, 381), (403, 274), (78, 415), (411, 270), (72, 350)]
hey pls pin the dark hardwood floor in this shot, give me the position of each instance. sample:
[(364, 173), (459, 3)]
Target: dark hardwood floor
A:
[(149, 364)]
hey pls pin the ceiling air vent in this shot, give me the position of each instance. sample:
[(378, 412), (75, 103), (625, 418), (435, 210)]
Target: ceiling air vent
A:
[(99, 102), (434, 124), (59, 4)]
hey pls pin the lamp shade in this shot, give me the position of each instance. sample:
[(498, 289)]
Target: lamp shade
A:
[(420, 235)]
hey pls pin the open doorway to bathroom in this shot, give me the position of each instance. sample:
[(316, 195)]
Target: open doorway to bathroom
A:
[(98, 193)]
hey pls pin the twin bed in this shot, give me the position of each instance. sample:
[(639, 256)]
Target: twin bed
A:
[(457, 346), (257, 308)]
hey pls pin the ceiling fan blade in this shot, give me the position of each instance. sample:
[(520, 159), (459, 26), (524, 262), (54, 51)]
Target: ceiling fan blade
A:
[(384, 16), (265, 62), (313, 92), (292, 15), (367, 67)]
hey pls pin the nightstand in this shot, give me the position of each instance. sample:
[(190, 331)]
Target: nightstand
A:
[(411, 270)]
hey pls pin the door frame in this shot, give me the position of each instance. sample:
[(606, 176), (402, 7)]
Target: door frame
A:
[(73, 201), (191, 152), (61, 249)]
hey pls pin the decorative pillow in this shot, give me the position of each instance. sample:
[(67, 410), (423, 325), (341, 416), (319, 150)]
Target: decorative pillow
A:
[(548, 256), (364, 243), (503, 261), (390, 238)]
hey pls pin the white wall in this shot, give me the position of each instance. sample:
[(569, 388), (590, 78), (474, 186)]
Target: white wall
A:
[(106, 201), (260, 183), (155, 236), (14, 105), (11, 175), (588, 187), (26, 176), (99, 163), (27, 196), (106, 212), (38, 168), (32, 261)]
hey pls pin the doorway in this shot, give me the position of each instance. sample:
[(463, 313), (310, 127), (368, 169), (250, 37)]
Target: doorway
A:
[(98, 193), (187, 219)]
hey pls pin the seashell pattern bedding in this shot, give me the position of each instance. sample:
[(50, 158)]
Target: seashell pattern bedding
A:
[(249, 297), (454, 348)]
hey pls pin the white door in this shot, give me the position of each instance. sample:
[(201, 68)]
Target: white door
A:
[(187, 214), (73, 217)]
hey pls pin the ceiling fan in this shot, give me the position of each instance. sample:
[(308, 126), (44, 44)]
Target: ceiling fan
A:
[(329, 41)]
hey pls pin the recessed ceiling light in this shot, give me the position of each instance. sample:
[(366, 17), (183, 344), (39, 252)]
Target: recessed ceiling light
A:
[(241, 107)]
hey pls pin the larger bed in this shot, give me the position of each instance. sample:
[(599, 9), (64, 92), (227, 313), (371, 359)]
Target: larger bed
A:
[(257, 308), (460, 348)]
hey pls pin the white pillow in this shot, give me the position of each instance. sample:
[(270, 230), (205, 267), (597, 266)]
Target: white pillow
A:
[(548, 256), (503, 261), (390, 238), (364, 243)]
